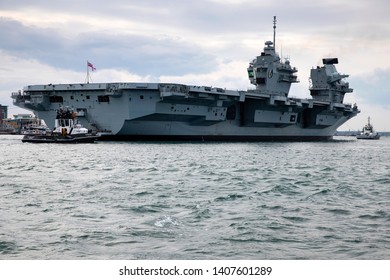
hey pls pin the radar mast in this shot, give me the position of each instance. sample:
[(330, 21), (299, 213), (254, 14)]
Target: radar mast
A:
[(274, 32)]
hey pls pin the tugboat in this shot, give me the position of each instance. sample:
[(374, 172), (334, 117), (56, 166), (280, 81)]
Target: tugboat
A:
[(66, 130), (368, 132), (36, 129)]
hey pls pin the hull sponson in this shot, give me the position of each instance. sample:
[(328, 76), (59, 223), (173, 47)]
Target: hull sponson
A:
[(212, 138)]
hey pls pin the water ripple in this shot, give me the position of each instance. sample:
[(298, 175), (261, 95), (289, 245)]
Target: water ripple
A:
[(159, 200)]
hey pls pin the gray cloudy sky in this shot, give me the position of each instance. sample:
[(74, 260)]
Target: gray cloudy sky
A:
[(204, 42)]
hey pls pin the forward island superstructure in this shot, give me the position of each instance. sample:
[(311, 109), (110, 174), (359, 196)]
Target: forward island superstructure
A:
[(171, 111)]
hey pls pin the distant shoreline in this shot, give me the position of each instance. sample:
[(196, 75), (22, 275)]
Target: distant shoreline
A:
[(354, 133)]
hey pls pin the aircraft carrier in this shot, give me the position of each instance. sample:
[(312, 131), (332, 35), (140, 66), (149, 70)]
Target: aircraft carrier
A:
[(171, 111)]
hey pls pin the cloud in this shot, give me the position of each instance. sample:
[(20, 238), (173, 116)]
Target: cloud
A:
[(205, 42), (372, 88), (139, 54)]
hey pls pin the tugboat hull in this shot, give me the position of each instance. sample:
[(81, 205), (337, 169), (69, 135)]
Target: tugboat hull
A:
[(59, 139), (369, 137)]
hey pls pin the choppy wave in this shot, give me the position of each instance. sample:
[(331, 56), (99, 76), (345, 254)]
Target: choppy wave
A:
[(119, 200)]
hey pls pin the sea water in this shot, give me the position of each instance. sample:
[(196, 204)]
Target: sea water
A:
[(195, 200)]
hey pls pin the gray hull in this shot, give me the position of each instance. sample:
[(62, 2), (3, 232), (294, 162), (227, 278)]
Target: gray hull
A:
[(201, 113), (157, 111), (156, 130)]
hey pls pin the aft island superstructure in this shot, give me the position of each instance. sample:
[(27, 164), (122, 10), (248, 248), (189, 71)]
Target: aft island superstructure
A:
[(171, 111)]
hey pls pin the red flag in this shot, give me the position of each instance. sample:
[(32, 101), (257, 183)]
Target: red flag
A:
[(89, 64)]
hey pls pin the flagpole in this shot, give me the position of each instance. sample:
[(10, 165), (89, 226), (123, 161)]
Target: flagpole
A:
[(87, 73)]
